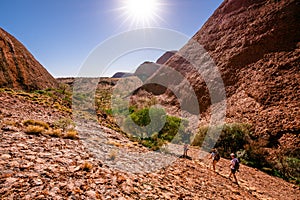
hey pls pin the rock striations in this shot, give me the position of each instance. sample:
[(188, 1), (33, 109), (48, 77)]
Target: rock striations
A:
[(19, 69)]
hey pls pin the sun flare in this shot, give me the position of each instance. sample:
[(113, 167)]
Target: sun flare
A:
[(141, 13), (141, 8)]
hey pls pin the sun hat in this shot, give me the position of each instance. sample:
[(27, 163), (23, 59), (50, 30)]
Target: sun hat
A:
[(232, 154)]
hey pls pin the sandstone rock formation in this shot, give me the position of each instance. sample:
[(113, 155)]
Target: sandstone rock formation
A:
[(146, 69), (165, 57), (255, 45), (19, 69), (121, 75)]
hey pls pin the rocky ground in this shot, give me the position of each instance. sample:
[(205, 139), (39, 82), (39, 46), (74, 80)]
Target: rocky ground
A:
[(103, 164)]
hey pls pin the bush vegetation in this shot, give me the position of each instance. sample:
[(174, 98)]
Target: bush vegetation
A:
[(54, 132), (227, 138), (59, 98), (153, 127), (34, 130), (251, 150), (62, 128), (287, 164), (36, 123), (64, 124), (71, 134)]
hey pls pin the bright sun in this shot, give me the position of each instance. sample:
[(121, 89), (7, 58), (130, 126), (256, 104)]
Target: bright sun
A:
[(141, 13)]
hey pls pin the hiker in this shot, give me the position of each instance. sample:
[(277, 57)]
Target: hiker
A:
[(234, 167), (215, 156), (185, 149)]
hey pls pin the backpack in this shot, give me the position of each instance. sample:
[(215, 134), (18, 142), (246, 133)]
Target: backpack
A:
[(236, 164), (217, 157)]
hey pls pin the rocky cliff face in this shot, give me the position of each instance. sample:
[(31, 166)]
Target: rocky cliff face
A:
[(165, 57), (19, 69), (146, 69), (122, 75), (255, 45)]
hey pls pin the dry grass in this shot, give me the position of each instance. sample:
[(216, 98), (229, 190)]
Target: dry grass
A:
[(86, 166), (64, 124), (114, 143), (57, 106), (71, 134), (37, 127), (28, 122), (129, 145), (135, 143), (9, 123), (12, 123), (34, 130), (54, 132)]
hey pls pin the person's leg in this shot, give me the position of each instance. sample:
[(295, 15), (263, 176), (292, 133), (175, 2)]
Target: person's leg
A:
[(235, 178), (214, 165), (231, 172)]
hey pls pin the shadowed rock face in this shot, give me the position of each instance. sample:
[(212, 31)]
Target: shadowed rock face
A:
[(19, 69), (255, 45), (145, 70), (165, 57), (121, 75)]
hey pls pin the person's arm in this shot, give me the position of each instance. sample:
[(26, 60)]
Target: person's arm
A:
[(231, 164)]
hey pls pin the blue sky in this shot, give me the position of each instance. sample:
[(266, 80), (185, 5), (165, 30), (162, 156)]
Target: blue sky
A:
[(62, 33)]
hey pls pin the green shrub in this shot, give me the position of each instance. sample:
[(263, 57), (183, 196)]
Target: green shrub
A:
[(255, 155), (287, 166), (40, 91), (161, 129), (173, 126), (139, 122), (141, 117), (231, 138), (200, 136), (154, 136), (108, 111)]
